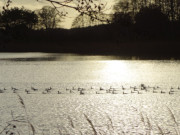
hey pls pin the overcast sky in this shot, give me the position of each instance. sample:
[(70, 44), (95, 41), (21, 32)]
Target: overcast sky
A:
[(34, 4)]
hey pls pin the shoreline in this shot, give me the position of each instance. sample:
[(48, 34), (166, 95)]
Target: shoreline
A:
[(145, 50)]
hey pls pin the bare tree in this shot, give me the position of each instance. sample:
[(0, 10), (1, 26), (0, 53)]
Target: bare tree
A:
[(84, 20), (88, 7), (48, 17)]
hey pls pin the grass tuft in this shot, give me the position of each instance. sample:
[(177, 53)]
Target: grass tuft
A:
[(91, 124), (160, 130), (71, 122), (27, 119), (172, 116), (111, 123)]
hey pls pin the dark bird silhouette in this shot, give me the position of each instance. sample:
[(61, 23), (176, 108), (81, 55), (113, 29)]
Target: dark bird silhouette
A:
[(27, 91), (81, 92), (59, 92), (162, 92), (34, 89)]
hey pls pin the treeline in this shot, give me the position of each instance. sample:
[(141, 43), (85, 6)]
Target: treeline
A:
[(21, 18), (136, 28), (151, 19)]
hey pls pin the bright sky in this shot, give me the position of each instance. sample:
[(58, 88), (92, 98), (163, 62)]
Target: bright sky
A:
[(34, 4)]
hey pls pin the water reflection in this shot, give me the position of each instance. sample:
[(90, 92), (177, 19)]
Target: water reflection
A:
[(71, 68), (114, 71), (53, 57), (31, 59), (125, 93)]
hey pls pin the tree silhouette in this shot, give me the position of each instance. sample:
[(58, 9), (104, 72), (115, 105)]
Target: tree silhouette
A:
[(48, 17), (20, 18), (168, 7), (123, 19), (1, 20), (88, 7), (122, 6), (84, 20), (151, 21)]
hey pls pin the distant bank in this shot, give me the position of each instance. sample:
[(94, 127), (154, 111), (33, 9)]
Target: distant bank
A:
[(128, 50), (97, 40)]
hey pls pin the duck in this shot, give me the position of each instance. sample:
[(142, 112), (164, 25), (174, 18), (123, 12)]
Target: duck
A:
[(171, 92), (59, 92), (34, 89), (79, 89), (44, 92), (139, 92), (113, 92), (97, 92), (171, 89), (124, 92), (132, 91), (14, 88), (81, 92), (162, 92), (108, 91), (123, 88), (27, 91), (48, 89), (154, 91), (1, 91)]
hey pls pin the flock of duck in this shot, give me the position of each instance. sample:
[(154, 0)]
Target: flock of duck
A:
[(141, 89)]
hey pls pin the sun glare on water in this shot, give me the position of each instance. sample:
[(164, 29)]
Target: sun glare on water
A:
[(115, 71)]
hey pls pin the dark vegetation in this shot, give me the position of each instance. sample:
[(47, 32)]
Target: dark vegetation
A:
[(136, 28)]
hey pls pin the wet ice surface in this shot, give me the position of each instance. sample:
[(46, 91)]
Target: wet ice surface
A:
[(80, 95)]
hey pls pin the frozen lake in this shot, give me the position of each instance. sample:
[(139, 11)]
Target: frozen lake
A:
[(71, 94)]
